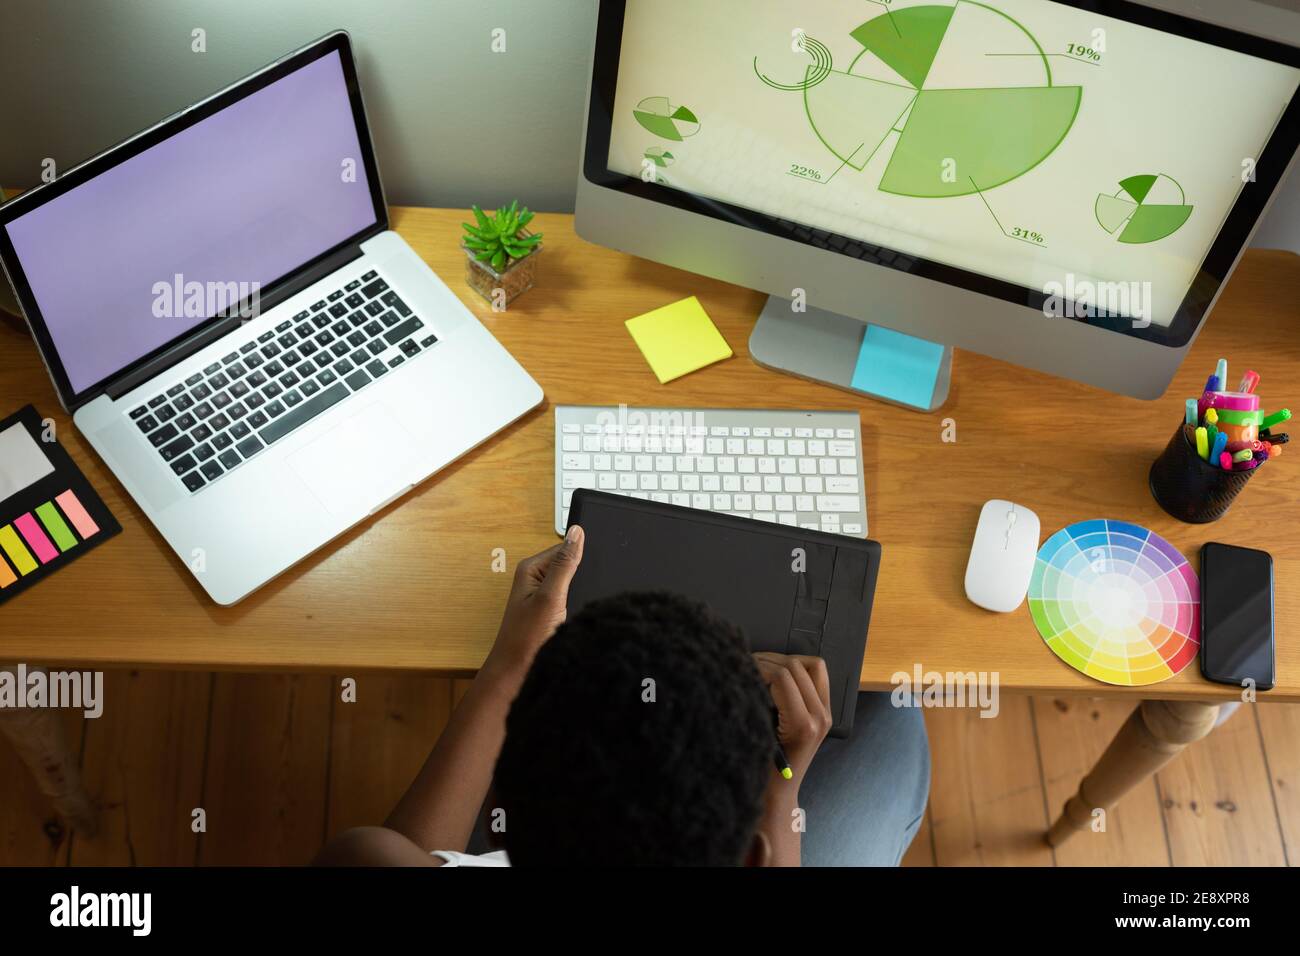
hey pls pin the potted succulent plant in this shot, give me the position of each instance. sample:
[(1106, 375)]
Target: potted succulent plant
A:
[(501, 253)]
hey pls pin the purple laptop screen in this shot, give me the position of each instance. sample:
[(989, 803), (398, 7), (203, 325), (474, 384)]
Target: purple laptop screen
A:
[(246, 196)]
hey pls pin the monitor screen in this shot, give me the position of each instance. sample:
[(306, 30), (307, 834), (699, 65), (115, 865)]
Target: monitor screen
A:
[(1022, 140), (135, 257)]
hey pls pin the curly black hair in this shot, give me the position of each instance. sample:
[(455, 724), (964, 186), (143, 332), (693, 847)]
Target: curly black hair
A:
[(602, 768)]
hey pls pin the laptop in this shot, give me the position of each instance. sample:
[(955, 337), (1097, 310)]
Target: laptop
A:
[(225, 312)]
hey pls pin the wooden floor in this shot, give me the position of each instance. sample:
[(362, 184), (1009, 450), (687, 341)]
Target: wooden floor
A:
[(278, 763)]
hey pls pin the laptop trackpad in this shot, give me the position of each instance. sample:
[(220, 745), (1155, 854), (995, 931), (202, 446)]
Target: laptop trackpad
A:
[(359, 464)]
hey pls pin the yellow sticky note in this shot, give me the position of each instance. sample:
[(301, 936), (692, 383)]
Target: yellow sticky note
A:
[(678, 339)]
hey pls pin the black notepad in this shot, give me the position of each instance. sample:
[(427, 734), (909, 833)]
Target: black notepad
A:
[(790, 590)]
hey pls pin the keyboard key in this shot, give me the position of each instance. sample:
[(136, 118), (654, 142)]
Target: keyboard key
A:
[(372, 308), (212, 369), (255, 400), (838, 503), (393, 301), (310, 387), (247, 347), (165, 413), (250, 446), (183, 464), (289, 381), (275, 409), (283, 327), (175, 390), (257, 420), (359, 357), (186, 422), (338, 310), (232, 357), (292, 399), (239, 390), (237, 371), (403, 330), (327, 377), (147, 424), (237, 411), (202, 433), (369, 275), (357, 339), (375, 346), (355, 301), (272, 390), (357, 380), (224, 440), (287, 341), (230, 459), (352, 286), (183, 403), (427, 341), (139, 412), (211, 470), (340, 349), (270, 351), (319, 305), (200, 392), (221, 400), (377, 368), (237, 431), (163, 435), (194, 379), (194, 481), (389, 318), (274, 369), (396, 360), (265, 337), (219, 381), (292, 358), (175, 449), (303, 413), (343, 367), (375, 288), (204, 452)]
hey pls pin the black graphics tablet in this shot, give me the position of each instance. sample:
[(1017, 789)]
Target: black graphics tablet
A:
[(790, 590)]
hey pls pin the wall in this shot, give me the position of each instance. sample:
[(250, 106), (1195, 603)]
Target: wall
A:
[(454, 122)]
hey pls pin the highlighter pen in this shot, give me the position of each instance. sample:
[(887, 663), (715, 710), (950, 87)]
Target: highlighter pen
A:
[(1211, 416), (1244, 455), (1277, 418), (1202, 444), (1225, 461), (1249, 382)]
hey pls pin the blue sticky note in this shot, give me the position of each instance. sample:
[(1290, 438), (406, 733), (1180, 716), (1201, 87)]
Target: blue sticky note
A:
[(898, 367)]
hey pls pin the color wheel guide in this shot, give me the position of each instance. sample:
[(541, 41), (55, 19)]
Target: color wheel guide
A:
[(1116, 602), (49, 513)]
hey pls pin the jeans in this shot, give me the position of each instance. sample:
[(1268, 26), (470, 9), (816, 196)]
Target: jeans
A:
[(865, 797)]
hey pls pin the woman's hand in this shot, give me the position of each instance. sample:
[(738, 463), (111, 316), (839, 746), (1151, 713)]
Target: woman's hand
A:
[(536, 606)]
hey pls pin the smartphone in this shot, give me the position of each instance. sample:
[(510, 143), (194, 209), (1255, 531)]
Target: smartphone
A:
[(1237, 615)]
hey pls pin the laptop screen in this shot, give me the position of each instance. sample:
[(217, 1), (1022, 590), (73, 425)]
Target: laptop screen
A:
[(132, 259)]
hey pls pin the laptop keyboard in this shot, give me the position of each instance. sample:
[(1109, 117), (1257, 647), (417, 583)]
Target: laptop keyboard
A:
[(225, 414)]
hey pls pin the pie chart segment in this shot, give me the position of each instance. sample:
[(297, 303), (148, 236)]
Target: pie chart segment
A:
[(907, 41), (984, 47), (853, 115), (1116, 602), (1114, 211), (1150, 223), (992, 135)]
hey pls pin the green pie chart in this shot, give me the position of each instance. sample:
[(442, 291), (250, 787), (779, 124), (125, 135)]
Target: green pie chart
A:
[(1146, 207), (658, 115), (959, 97)]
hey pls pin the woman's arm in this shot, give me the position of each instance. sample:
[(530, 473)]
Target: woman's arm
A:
[(438, 812)]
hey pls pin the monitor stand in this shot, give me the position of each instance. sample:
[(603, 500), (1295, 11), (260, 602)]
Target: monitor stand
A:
[(825, 347)]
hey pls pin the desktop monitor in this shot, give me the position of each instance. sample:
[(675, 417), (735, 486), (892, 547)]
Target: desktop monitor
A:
[(1063, 185)]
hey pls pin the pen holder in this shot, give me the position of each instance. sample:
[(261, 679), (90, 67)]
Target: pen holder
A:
[(1189, 487)]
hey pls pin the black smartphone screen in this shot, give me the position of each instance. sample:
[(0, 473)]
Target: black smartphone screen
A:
[(1237, 615)]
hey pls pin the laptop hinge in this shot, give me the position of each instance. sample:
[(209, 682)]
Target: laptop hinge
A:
[(207, 334)]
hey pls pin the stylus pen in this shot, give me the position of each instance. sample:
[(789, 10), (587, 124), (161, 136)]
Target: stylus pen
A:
[(782, 764), (779, 758)]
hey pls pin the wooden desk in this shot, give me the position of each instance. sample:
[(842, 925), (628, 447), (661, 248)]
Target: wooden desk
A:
[(412, 589)]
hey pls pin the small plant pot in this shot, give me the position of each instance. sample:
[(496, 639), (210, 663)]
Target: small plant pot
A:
[(1189, 487), (517, 278)]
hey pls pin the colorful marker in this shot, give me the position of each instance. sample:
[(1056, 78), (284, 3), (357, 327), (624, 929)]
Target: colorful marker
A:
[(1274, 451), (1211, 416), (1202, 444), (1219, 445), (1191, 411), (1249, 382), (1221, 373), (1244, 455), (1281, 438), (1277, 418), (1225, 461)]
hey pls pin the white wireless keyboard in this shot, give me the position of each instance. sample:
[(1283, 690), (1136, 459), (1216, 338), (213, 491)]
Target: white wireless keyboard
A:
[(790, 467)]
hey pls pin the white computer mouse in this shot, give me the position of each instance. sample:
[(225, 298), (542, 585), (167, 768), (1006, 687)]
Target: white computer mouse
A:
[(1002, 556)]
